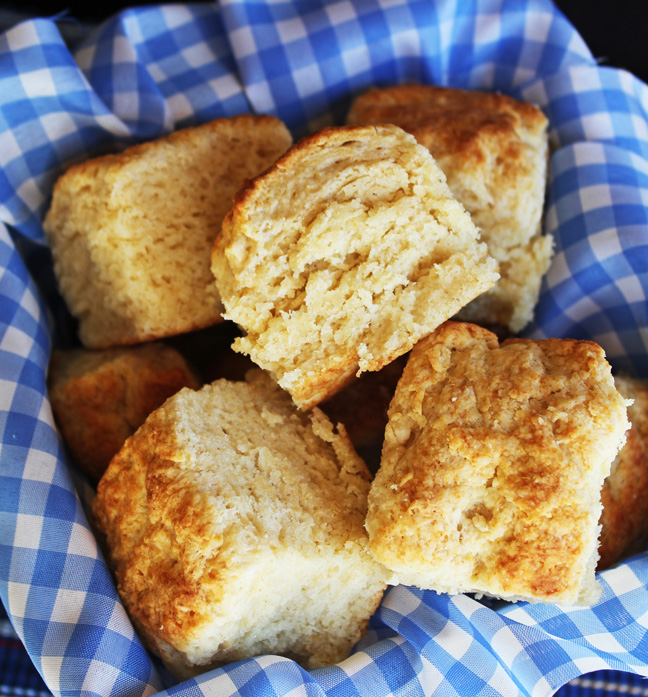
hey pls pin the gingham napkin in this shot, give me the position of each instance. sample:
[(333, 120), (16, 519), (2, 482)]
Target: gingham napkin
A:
[(154, 69)]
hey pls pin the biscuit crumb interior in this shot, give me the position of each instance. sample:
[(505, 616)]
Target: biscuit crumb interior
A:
[(347, 265)]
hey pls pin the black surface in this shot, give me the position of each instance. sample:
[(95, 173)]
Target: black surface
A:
[(614, 30)]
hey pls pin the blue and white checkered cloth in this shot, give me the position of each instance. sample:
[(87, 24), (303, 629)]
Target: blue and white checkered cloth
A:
[(154, 69)]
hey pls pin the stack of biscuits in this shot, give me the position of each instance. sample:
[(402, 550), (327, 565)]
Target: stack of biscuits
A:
[(375, 276)]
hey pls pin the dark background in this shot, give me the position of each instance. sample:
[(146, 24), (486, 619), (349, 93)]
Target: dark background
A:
[(615, 30)]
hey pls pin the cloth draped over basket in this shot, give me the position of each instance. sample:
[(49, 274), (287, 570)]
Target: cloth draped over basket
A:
[(151, 70)]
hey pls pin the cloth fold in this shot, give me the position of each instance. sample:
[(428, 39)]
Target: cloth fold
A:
[(153, 69)]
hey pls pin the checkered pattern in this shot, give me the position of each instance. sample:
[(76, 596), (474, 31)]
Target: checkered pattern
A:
[(304, 61), (598, 211), (154, 69)]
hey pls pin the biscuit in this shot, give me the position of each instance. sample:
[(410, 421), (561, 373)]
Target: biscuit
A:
[(493, 150), (131, 233), (235, 526), (492, 466), (343, 255), (624, 520), (100, 398)]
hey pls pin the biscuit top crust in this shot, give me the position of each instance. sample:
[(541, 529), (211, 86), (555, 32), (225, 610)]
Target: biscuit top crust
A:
[(492, 466), (459, 113), (470, 126), (230, 127)]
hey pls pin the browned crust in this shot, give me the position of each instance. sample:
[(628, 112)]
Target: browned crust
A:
[(101, 398), (130, 505), (452, 121), (92, 167)]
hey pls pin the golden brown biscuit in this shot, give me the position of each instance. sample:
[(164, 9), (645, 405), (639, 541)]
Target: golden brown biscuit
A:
[(343, 255), (624, 520), (492, 466), (235, 527), (493, 150), (131, 233), (100, 398)]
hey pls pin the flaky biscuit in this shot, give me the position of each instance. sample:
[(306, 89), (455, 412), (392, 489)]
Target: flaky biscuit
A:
[(234, 524), (100, 398), (131, 233), (492, 466), (343, 255), (493, 150)]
